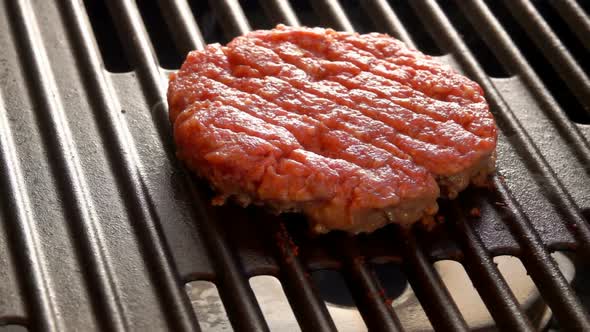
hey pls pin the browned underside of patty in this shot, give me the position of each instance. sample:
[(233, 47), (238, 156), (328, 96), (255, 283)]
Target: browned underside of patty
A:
[(354, 130)]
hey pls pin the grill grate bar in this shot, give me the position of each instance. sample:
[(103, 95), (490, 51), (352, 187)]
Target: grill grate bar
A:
[(234, 290), (362, 283), (281, 11), (574, 16), (188, 37), (543, 270), (432, 287), (141, 54), (101, 292), (43, 311), (537, 260), (74, 189), (483, 271), (238, 298), (232, 17), (499, 297), (335, 14), (366, 289), (509, 55), (183, 25), (489, 27), (429, 288), (313, 314), (127, 20), (553, 49), (311, 311), (126, 158), (320, 318), (381, 11), (299, 288), (486, 277)]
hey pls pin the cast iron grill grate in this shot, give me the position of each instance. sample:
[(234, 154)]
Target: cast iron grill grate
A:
[(101, 227)]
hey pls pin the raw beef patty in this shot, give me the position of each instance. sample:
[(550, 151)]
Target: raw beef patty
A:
[(355, 131)]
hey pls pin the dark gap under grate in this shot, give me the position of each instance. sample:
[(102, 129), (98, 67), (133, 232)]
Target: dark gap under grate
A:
[(161, 38), (306, 14), (477, 45), (208, 22), (566, 36), (580, 282), (256, 16), (585, 4), (564, 97), (358, 16), (333, 288), (107, 37), (416, 28)]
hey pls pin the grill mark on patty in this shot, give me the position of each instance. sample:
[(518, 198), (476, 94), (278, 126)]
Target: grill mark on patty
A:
[(474, 101), (212, 115), (393, 86), (466, 100), (306, 69), (401, 134), (267, 124), (404, 55), (229, 117), (470, 101), (382, 47), (393, 63), (231, 82), (464, 157), (344, 100), (246, 108), (337, 41), (399, 61), (253, 180), (336, 38), (352, 157)]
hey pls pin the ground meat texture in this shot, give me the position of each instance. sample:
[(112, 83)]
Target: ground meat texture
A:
[(355, 131)]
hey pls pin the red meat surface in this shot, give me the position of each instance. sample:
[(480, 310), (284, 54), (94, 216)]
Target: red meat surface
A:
[(355, 131)]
